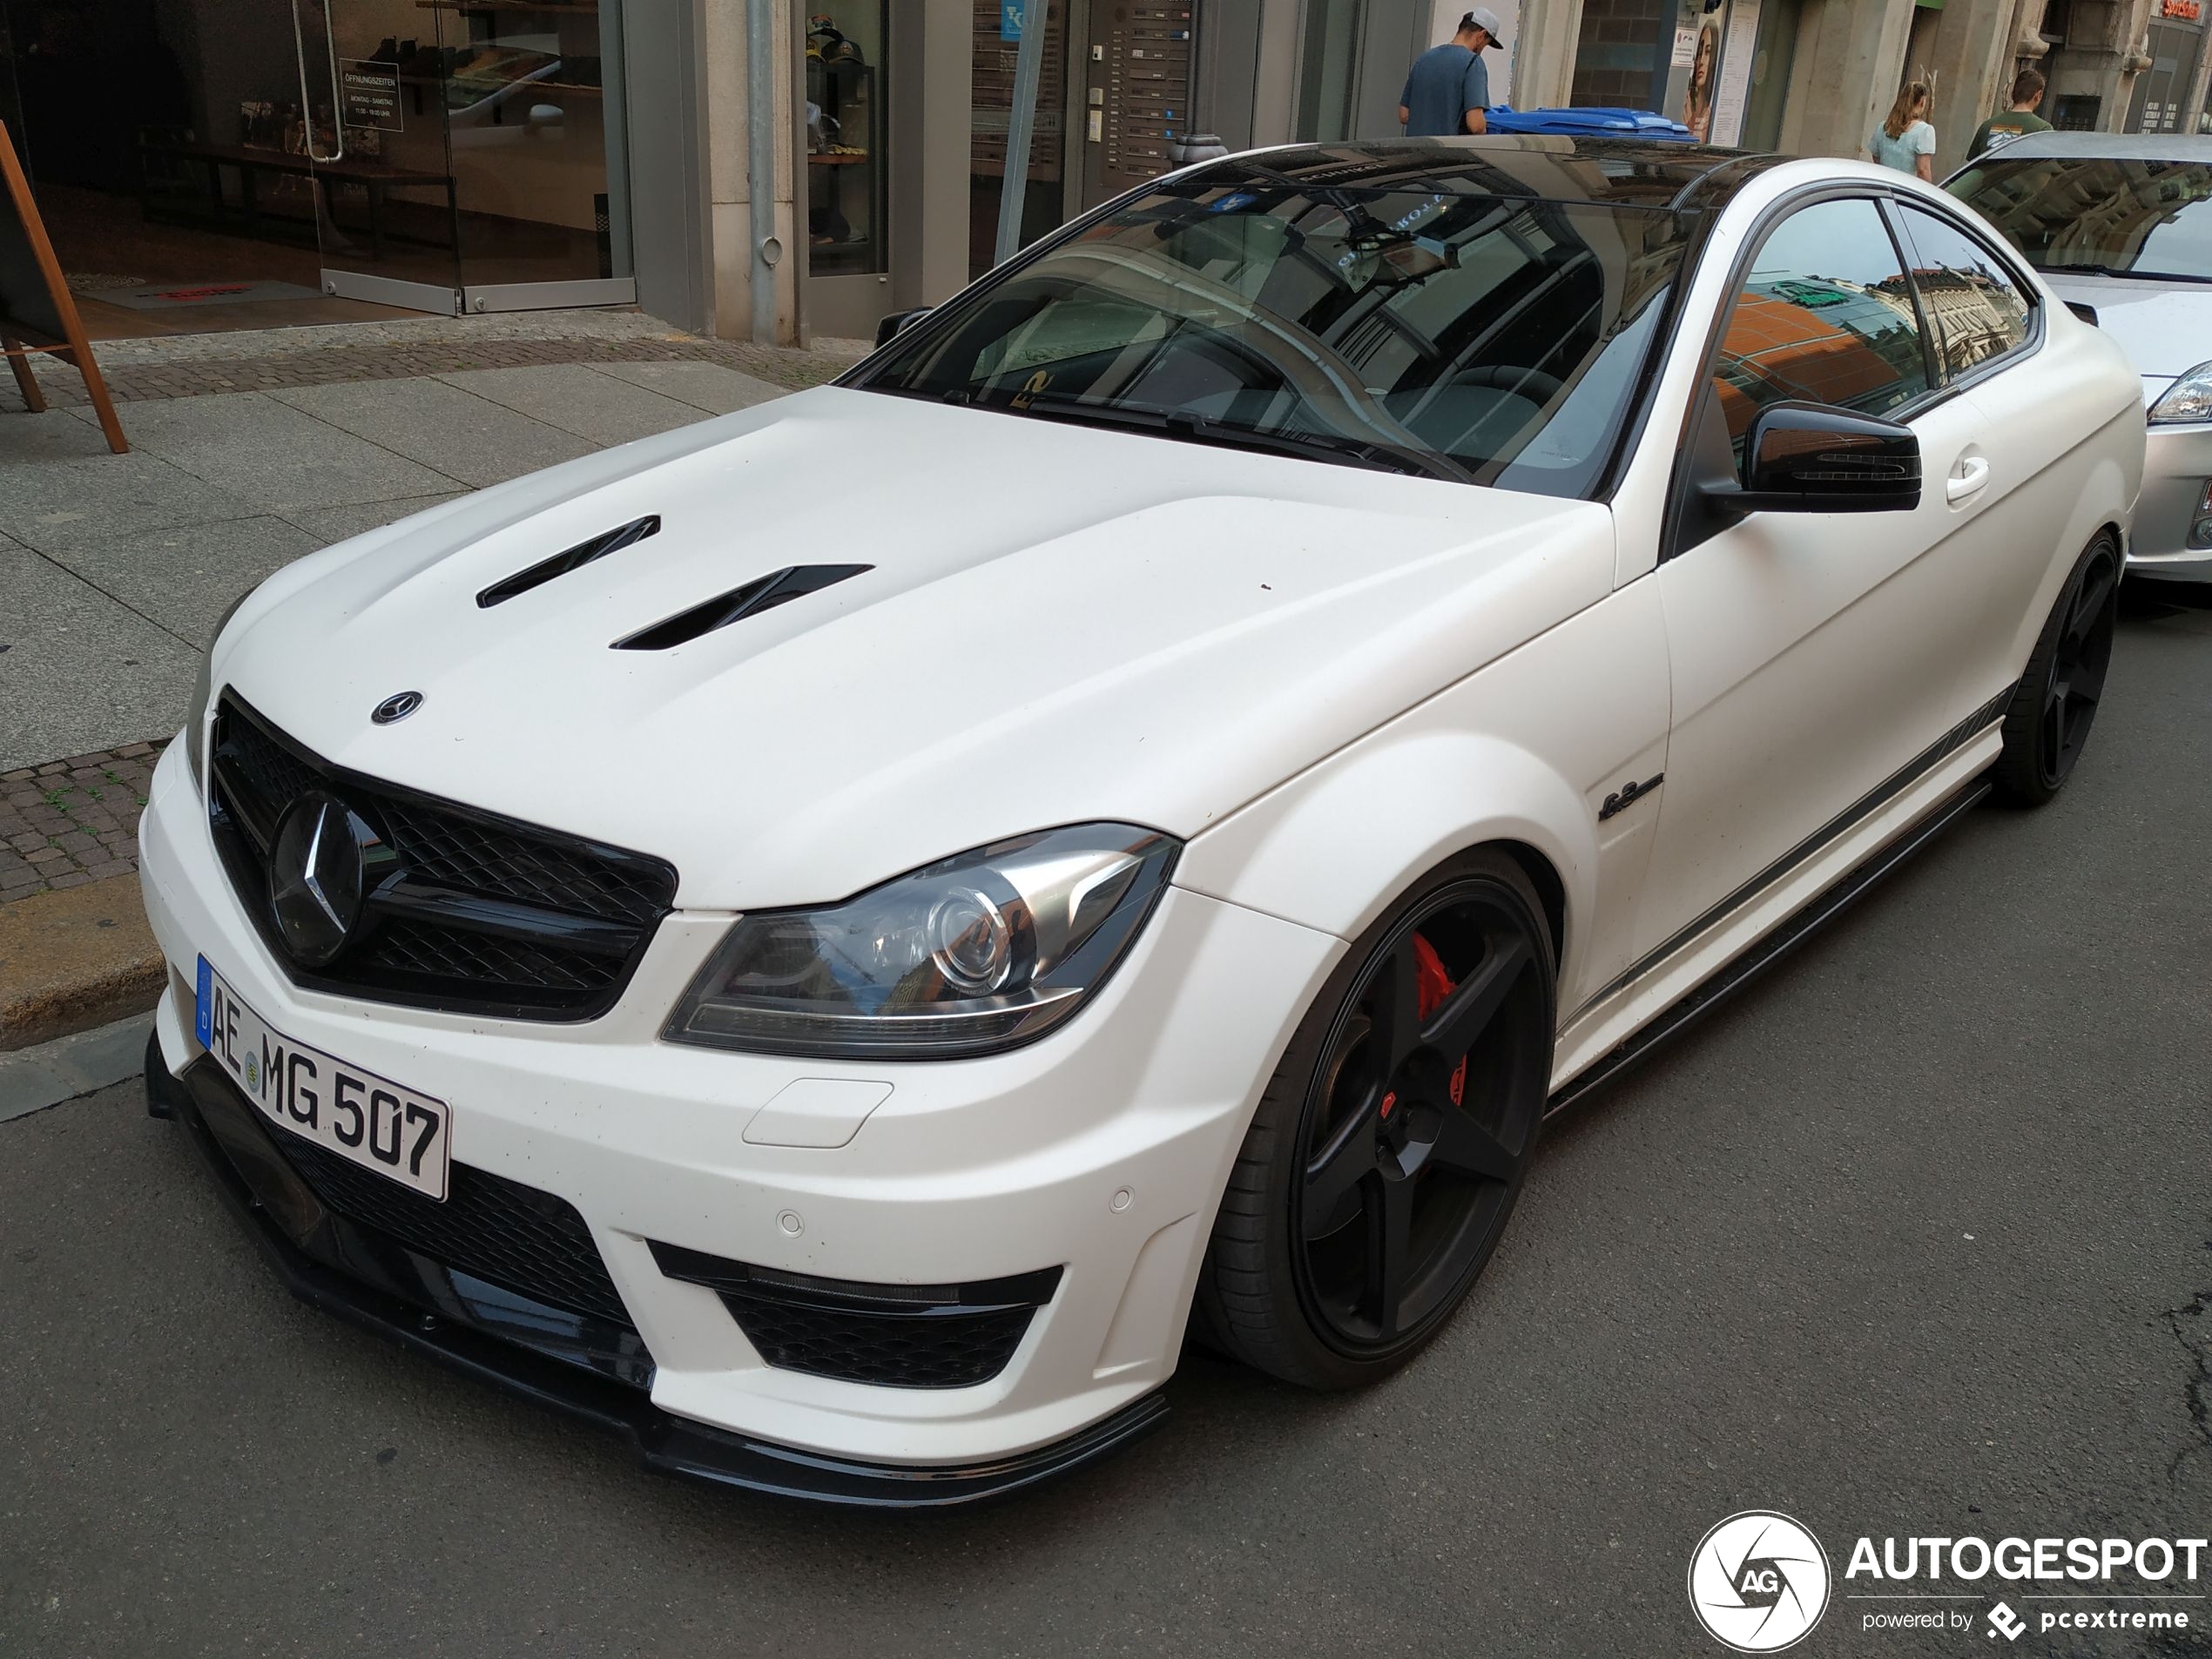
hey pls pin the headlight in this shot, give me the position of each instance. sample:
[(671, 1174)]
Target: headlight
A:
[(203, 690), (2188, 399), (975, 953)]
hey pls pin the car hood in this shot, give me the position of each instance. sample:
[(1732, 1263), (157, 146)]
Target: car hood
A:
[(1060, 624), (2165, 328)]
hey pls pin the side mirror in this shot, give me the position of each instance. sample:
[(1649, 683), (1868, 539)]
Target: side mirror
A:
[(1813, 458), (897, 322)]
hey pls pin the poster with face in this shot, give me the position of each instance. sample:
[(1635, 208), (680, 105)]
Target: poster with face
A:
[(1715, 48), (1703, 80)]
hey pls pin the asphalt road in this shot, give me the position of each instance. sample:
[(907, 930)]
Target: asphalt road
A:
[(1911, 1238)]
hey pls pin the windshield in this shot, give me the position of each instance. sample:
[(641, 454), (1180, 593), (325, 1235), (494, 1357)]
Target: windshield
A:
[(1472, 337), (2134, 218)]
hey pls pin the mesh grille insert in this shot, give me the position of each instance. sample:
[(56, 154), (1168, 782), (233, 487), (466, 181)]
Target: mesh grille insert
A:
[(952, 1349), (571, 919), (515, 1236)]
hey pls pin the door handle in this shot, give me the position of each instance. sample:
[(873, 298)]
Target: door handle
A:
[(1971, 474), (337, 101)]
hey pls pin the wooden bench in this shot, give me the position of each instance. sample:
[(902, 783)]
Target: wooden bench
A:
[(373, 176)]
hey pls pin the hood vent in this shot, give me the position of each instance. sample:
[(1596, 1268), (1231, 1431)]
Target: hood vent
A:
[(575, 559), (765, 593)]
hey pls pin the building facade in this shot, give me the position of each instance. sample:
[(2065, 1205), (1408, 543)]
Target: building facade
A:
[(442, 155)]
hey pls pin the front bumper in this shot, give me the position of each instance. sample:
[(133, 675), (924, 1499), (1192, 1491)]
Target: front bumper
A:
[(1100, 1152), (532, 1348), (2177, 465)]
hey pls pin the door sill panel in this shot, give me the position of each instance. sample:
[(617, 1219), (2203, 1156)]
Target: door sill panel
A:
[(1698, 973), (390, 291)]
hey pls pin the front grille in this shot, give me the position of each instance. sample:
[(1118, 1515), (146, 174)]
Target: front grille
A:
[(950, 1349), (467, 911), (892, 1336), (514, 1236)]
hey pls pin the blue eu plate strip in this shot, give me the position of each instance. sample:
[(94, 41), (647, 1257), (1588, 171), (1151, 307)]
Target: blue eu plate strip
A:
[(204, 1010)]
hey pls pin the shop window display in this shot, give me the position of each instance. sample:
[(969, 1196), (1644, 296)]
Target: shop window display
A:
[(845, 127)]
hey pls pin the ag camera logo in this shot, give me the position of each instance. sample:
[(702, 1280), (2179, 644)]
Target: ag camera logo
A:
[(1758, 1581)]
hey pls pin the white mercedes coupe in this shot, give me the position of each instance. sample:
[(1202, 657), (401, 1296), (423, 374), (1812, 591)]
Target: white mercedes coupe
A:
[(827, 941)]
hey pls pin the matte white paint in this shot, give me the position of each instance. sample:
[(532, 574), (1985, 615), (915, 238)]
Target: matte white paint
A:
[(1325, 680)]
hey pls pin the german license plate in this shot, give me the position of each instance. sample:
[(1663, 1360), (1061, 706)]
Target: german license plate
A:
[(380, 1124)]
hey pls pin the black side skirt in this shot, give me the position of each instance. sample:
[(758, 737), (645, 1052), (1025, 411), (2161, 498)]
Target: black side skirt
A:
[(1802, 924), (592, 1369)]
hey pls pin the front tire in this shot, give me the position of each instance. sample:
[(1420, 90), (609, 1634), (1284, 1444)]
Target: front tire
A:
[(1391, 1143), (2048, 721)]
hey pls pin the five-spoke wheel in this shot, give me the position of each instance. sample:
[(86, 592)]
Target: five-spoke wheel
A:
[(2051, 712), (1391, 1145)]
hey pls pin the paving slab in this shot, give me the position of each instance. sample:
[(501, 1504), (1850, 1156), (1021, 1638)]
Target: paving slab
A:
[(273, 456), (597, 408), (79, 670), (329, 524), (184, 578), (704, 386), (476, 440), (59, 485)]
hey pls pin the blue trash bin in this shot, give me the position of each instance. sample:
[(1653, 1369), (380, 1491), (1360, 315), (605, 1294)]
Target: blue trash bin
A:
[(1589, 123)]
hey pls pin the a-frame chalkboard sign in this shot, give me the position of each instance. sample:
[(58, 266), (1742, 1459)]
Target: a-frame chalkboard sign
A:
[(36, 314)]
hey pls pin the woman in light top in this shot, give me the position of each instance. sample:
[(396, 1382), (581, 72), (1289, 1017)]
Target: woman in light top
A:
[(1905, 141)]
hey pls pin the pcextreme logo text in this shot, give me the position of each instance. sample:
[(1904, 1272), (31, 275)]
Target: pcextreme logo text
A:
[(1759, 1582)]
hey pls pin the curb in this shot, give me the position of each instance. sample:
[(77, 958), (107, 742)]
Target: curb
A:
[(73, 959), (69, 1068)]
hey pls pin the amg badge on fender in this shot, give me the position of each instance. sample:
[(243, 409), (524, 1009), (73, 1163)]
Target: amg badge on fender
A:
[(1627, 795)]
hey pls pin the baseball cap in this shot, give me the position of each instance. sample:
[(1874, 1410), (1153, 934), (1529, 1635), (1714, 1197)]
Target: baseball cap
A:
[(1485, 19)]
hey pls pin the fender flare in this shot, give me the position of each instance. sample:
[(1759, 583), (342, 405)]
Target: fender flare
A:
[(1335, 848)]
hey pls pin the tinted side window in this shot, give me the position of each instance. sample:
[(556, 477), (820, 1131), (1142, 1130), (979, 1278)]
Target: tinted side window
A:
[(1825, 314), (1976, 308)]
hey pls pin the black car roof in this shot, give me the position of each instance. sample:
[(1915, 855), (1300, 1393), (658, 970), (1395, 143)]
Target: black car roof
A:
[(1630, 172)]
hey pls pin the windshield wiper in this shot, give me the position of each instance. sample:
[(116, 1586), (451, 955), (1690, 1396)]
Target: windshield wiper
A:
[(1200, 428), (2115, 271)]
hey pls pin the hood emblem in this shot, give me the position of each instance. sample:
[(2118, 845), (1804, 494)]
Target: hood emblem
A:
[(397, 706), (316, 877)]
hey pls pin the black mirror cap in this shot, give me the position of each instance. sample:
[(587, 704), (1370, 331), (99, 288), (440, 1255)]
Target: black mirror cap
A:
[(2084, 310), (1814, 458), (889, 327)]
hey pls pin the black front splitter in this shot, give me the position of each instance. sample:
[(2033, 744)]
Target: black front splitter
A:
[(573, 1364)]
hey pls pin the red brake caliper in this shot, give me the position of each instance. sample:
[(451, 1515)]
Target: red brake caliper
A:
[(1432, 984)]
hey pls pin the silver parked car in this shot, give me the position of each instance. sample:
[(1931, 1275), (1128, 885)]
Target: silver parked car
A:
[(2122, 222)]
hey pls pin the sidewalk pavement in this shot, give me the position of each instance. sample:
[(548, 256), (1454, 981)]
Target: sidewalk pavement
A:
[(116, 568), (248, 451)]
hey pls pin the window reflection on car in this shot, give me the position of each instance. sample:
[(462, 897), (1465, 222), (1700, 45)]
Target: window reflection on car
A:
[(1453, 331), (2099, 216)]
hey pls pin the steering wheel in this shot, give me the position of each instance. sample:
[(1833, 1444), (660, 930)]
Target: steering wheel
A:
[(1510, 377)]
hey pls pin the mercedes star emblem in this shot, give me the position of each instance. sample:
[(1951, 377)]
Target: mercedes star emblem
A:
[(397, 706), (315, 878)]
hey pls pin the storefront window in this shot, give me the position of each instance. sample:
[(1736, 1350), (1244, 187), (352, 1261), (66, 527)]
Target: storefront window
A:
[(845, 134)]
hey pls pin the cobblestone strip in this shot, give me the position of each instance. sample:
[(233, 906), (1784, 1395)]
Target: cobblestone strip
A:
[(72, 821), (133, 381)]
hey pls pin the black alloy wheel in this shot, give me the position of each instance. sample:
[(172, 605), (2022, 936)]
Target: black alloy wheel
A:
[(1391, 1145), (2048, 722)]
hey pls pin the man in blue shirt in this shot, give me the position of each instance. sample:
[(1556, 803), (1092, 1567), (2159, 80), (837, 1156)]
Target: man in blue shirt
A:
[(1447, 88)]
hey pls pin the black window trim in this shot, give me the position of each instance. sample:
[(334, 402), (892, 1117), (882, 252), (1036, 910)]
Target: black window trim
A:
[(1885, 199)]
